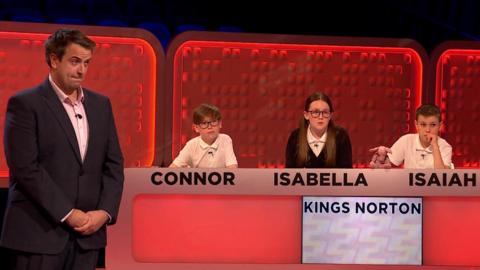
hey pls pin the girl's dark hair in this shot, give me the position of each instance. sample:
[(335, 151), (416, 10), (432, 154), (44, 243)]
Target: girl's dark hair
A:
[(330, 144)]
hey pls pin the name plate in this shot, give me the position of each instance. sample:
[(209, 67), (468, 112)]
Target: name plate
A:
[(343, 182)]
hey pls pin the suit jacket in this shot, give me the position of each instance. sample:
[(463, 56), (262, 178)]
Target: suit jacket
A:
[(47, 175)]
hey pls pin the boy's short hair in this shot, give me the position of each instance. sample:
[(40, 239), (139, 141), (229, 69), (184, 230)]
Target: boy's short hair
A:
[(206, 110), (429, 110)]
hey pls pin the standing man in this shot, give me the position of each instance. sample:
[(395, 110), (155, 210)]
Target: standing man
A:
[(66, 166)]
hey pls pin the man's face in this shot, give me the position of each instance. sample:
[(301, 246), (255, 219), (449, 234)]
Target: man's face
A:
[(69, 72), (427, 126)]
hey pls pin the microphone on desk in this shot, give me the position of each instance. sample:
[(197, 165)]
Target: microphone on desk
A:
[(79, 116)]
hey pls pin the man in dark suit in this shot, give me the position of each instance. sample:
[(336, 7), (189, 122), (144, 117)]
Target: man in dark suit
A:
[(66, 166)]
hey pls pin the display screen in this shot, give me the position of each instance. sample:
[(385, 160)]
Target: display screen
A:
[(362, 230)]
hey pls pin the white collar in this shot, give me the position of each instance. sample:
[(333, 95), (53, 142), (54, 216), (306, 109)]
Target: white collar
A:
[(312, 140), (205, 145), (419, 146)]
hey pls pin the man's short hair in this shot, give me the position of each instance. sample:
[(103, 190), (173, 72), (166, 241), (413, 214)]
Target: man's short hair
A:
[(206, 110), (429, 110), (57, 42)]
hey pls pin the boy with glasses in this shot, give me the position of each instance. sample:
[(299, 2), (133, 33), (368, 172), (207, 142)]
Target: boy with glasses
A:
[(211, 149), (422, 150)]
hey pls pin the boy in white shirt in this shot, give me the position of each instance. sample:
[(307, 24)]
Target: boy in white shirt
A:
[(211, 149), (422, 150)]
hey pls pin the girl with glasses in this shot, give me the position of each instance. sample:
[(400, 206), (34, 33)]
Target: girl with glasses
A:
[(318, 142)]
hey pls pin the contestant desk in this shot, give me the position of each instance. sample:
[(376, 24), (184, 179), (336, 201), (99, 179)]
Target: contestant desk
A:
[(252, 218)]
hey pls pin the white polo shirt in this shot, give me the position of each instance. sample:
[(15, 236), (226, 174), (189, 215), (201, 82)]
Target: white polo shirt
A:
[(409, 151), (198, 154)]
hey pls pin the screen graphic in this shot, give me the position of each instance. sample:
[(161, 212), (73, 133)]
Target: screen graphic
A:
[(362, 230)]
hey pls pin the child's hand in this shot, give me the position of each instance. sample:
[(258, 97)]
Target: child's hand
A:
[(380, 158), (433, 139)]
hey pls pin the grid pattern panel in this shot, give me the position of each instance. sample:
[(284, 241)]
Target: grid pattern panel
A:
[(122, 68), (458, 82), (260, 89)]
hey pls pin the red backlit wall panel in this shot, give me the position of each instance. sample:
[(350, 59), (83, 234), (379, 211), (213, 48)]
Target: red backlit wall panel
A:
[(260, 86), (123, 68), (450, 221), (457, 92)]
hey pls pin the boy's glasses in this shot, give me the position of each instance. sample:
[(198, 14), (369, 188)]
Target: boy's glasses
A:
[(204, 125), (317, 114)]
